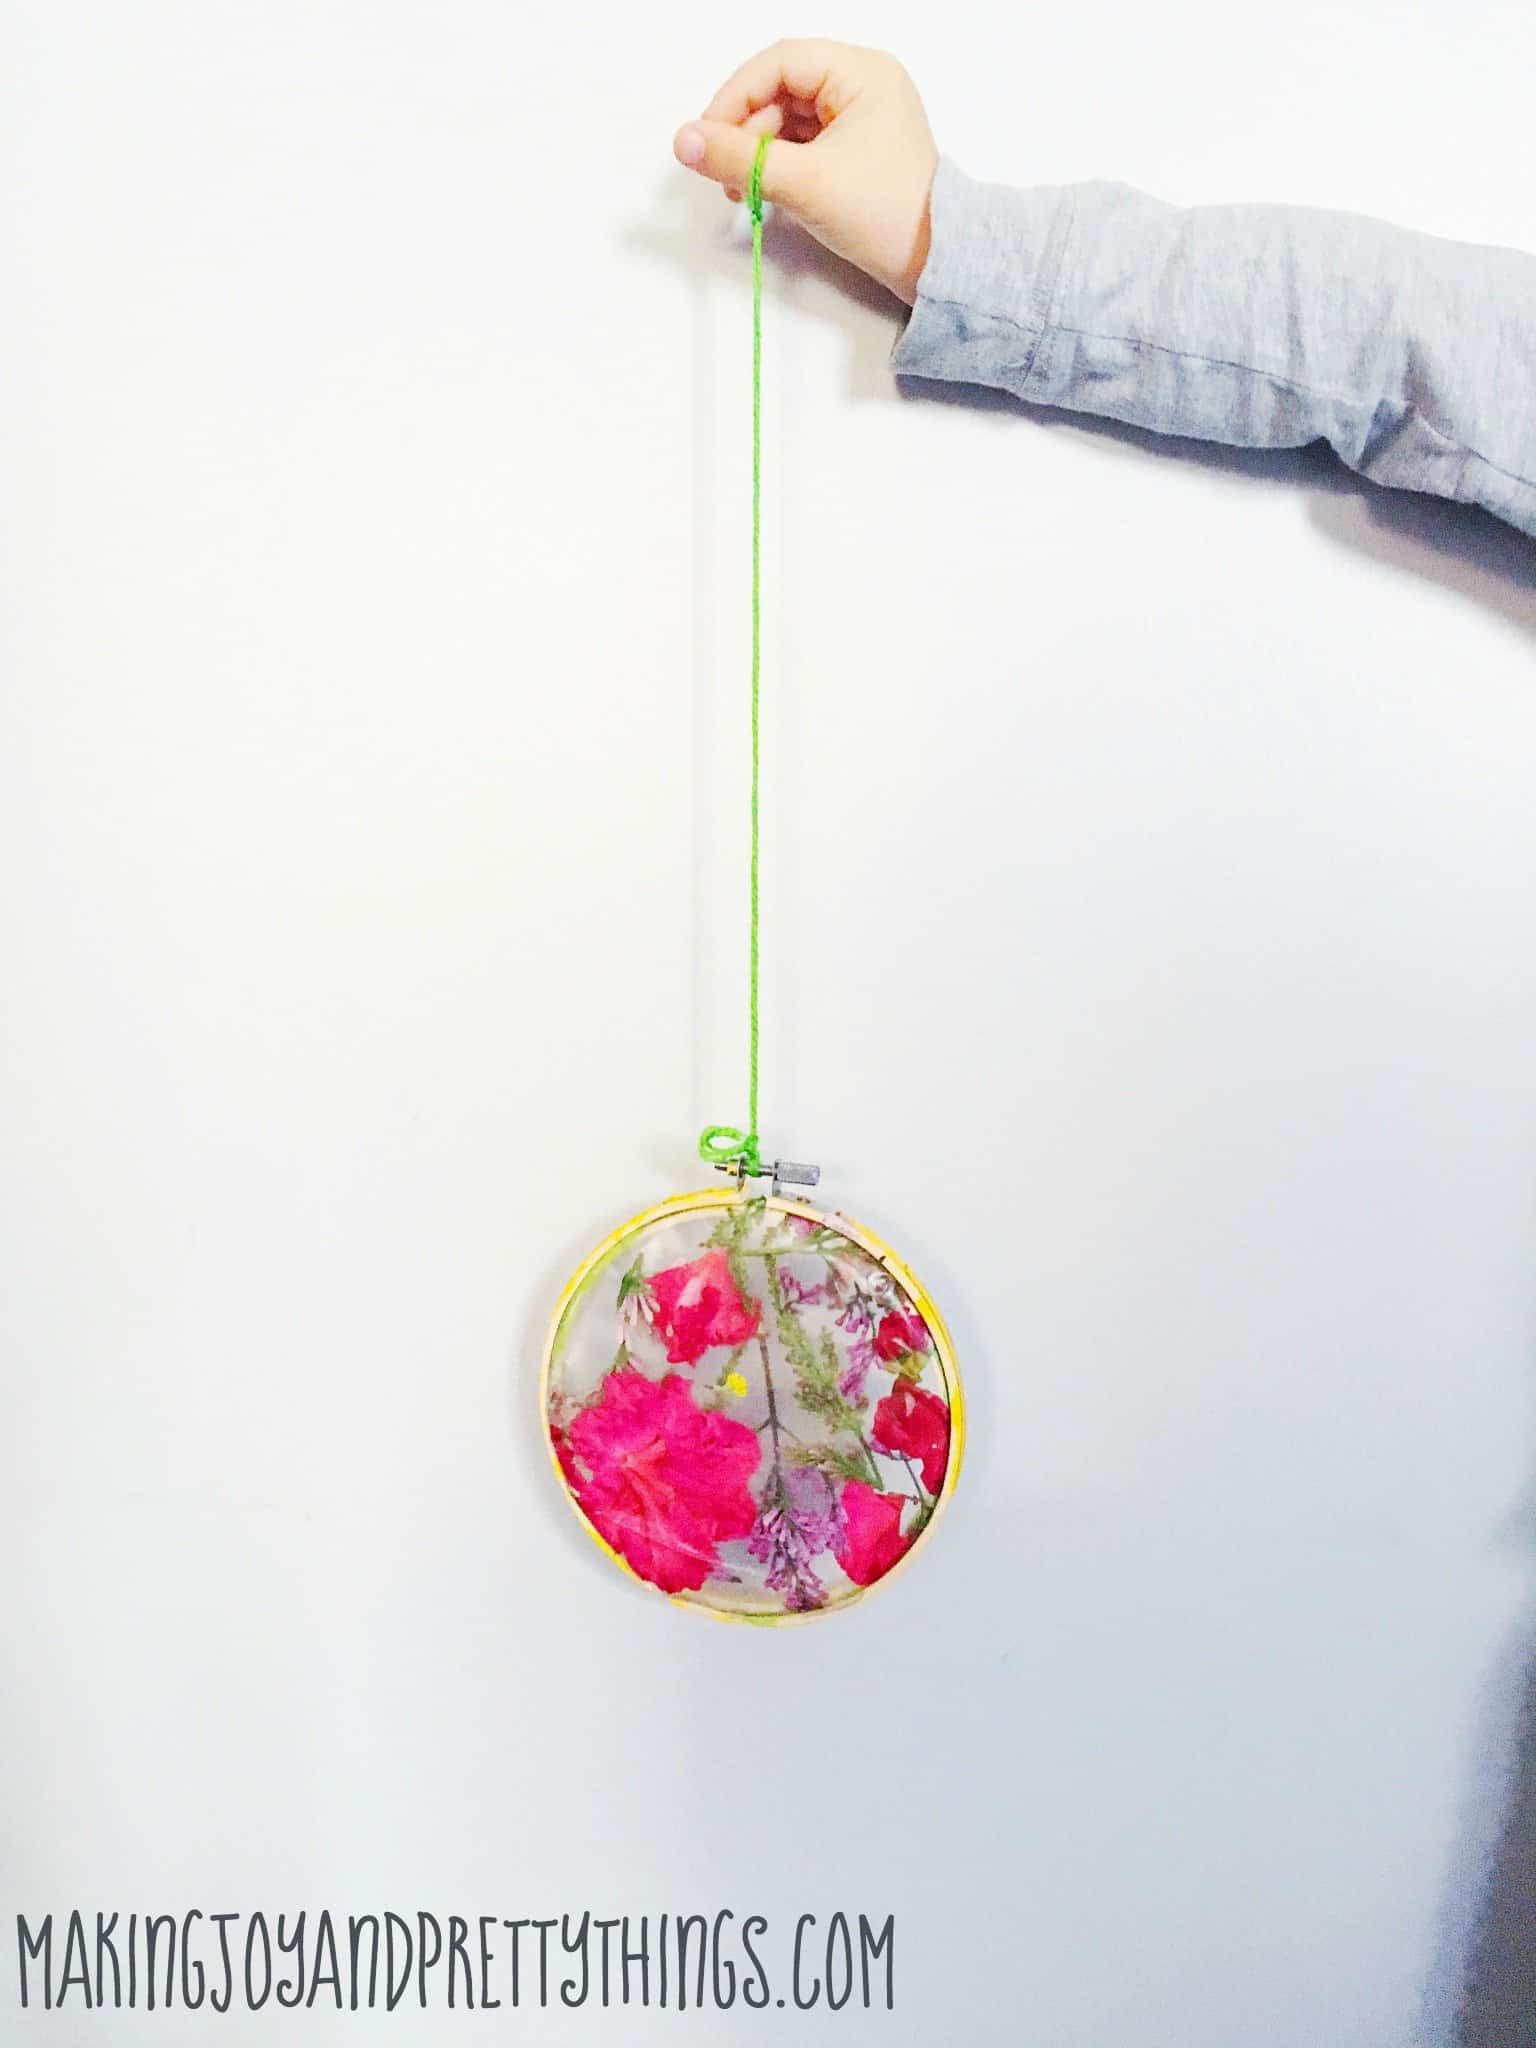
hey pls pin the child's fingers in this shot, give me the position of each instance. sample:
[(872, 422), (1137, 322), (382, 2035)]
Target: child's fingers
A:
[(852, 156), (813, 72), (766, 121), (724, 152), (706, 147)]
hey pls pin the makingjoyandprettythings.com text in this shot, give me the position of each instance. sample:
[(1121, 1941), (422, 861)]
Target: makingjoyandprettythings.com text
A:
[(382, 1961)]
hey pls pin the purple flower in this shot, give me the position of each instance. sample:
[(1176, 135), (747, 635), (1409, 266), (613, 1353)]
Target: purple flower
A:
[(800, 1517), (797, 1294), (859, 1323), (861, 1358)]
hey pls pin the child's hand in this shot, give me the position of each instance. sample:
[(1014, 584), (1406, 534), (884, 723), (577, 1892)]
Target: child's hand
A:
[(853, 157)]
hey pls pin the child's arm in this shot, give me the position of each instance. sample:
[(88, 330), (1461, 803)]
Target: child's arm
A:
[(1261, 326)]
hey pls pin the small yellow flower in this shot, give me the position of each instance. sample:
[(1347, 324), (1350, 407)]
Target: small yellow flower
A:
[(735, 1382)]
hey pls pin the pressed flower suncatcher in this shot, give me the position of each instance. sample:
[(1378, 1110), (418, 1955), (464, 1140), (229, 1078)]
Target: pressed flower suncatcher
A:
[(752, 1403)]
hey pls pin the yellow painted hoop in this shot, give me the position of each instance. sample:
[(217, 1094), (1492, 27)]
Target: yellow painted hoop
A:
[(879, 1250)]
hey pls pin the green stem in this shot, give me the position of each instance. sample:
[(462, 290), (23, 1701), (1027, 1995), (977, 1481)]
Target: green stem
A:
[(922, 1491), (874, 1466), (920, 1497)]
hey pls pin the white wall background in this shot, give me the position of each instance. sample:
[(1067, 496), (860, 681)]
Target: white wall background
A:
[(1152, 954)]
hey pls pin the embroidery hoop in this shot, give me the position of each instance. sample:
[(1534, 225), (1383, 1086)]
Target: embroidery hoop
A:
[(704, 1199)]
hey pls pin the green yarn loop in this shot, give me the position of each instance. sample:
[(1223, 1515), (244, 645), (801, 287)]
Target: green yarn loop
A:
[(723, 1144)]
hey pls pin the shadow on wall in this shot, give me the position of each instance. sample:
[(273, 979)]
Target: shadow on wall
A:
[(1461, 547), (1485, 1985), (1481, 1990)]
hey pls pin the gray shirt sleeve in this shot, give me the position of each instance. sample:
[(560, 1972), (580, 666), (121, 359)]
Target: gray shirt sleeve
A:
[(1261, 326)]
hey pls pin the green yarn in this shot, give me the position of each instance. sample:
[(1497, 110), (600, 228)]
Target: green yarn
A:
[(721, 1144)]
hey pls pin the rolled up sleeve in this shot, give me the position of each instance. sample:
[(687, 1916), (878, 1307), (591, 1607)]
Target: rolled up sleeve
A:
[(1260, 326)]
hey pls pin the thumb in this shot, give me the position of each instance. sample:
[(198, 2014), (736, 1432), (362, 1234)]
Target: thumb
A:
[(724, 152)]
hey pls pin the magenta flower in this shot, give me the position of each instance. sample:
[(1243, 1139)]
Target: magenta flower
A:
[(910, 1420), (872, 1540), (563, 1453), (900, 1332), (698, 1306), (663, 1481)]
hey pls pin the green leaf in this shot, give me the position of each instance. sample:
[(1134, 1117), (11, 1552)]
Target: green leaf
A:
[(633, 1282), (829, 1458)]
